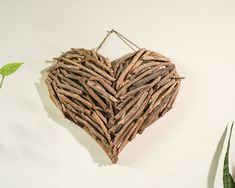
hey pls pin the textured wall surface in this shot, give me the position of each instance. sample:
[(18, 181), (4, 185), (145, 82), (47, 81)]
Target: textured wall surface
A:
[(39, 148)]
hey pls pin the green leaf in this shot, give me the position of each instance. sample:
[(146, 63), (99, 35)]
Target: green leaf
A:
[(9, 68), (227, 178)]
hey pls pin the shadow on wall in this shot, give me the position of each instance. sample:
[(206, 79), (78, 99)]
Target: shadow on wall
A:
[(56, 115)]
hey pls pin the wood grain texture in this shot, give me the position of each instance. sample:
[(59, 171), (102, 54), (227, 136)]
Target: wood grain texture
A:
[(113, 101)]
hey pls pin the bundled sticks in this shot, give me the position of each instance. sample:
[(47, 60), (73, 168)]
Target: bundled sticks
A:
[(113, 101)]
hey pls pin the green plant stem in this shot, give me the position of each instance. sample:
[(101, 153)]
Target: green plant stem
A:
[(227, 177), (2, 81)]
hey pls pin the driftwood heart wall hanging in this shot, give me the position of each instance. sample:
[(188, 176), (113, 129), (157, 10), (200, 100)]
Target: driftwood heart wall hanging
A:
[(113, 101)]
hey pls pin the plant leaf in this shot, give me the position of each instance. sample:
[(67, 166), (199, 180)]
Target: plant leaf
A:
[(9, 68), (227, 178)]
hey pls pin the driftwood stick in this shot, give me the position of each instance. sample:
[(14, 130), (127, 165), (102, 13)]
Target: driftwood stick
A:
[(48, 82), (100, 90), (71, 115), (133, 117), (130, 113), (158, 92), (154, 115), (74, 105), (100, 72), (81, 67), (165, 78), (65, 66), (146, 79), (171, 100), (134, 91), (146, 67), (127, 106), (93, 123), (126, 138), (133, 131), (104, 84), (55, 88), (104, 60), (72, 56), (70, 88), (53, 95), (157, 57), (101, 116), (85, 123), (101, 64), (124, 102), (137, 126), (155, 81), (122, 59), (81, 73), (100, 122), (139, 80), (129, 131), (118, 143), (82, 52), (163, 109), (79, 103), (69, 81), (118, 71), (90, 99), (94, 54), (174, 95), (75, 96), (92, 93), (65, 86), (111, 116), (65, 105), (128, 68), (139, 62), (69, 61)]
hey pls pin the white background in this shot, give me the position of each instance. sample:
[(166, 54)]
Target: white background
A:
[(40, 149)]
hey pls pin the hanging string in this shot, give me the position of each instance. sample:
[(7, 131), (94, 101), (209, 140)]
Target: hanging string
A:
[(124, 39), (102, 42), (121, 37), (125, 42)]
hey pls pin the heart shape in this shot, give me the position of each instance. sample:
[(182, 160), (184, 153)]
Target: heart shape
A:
[(113, 101)]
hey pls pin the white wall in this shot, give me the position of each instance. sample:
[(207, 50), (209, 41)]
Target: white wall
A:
[(38, 148)]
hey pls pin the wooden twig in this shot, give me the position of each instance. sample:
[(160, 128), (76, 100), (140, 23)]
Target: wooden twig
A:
[(130, 113), (100, 90), (127, 106), (100, 71), (74, 105), (104, 84), (128, 68), (92, 93)]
